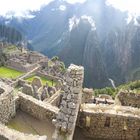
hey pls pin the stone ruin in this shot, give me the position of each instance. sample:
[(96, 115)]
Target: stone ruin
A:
[(37, 90), (25, 62), (35, 57), (87, 95), (119, 121), (109, 122), (28, 89), (55, 69), (128, 98), (7, 103), (66, 119)]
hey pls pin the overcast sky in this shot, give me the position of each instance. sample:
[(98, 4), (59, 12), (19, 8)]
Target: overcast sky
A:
[(133, 6), (21, 6)]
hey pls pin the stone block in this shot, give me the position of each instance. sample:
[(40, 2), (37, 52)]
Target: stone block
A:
[(37, 82)]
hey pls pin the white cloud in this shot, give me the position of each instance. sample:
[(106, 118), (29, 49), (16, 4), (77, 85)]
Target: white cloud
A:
[(62, 7), (75, 1), (132, 6), (90, 20), (129, 18), (74, 21), (21, 7)]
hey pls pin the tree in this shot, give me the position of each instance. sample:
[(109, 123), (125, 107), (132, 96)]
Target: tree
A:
[(55, 58)]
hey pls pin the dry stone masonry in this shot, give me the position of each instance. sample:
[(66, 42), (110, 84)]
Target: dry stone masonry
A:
[(128, 98), (37, 82), (87, 95), (36, 108), (37, 90), (26, 61), (110, 122), (67, 116), (7, 103)]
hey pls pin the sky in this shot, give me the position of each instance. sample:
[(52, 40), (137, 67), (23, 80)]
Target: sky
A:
[(132, 6), (20, 7)]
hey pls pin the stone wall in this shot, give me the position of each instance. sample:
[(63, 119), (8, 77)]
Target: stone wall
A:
[(72, 88), (7, 104), (37, 108), (36, 57), (111, 123), (87, 95), (128, 98), (20, 66), (55, 99), (49, 77)]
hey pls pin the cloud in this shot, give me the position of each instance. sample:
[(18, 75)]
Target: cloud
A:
[(90, 20), (74, 21), (21, 8), (75, 1), (62, 7), (132, 6)]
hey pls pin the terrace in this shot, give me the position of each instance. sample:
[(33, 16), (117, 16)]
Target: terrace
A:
[(43, 79), (9, 73)]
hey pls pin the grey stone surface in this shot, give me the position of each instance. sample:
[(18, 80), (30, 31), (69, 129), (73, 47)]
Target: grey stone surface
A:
[(28, 89), (37, 82), (7, 103), (67, 116)]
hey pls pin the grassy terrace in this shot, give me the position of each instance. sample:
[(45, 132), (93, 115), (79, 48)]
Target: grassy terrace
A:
[(9, 73), (43, 79)]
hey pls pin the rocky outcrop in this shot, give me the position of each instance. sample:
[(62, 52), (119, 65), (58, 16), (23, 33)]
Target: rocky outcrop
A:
[(93, 62), (84, 49)]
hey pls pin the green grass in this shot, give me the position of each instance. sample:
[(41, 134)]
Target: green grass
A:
[(9, 73), (43, 79)]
